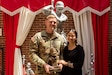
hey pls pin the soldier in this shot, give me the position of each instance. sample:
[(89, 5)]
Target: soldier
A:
[(45, 48), (61, 17)]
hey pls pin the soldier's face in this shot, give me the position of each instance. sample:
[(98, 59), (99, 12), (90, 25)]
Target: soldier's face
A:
[(51, 24)]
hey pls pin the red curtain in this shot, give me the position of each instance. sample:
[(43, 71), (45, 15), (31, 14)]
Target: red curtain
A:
[(100, 28), (10, 29), (35, 5)]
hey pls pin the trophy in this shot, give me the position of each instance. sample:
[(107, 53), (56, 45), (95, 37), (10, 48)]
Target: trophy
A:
[(53, 58)]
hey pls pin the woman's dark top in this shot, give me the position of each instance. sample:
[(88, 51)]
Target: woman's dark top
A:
[(75, 56)]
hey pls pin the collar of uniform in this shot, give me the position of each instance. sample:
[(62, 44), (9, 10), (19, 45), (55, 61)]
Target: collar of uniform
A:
[(44, 34)]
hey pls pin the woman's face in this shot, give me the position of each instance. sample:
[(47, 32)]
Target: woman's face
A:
[(71, 37)]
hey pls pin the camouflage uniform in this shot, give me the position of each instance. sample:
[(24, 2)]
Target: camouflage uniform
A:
[(44, 49)]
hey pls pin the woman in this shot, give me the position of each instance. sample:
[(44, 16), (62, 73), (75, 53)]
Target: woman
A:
[(73, 56)]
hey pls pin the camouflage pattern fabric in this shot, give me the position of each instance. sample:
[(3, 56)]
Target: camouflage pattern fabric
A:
[(44, 49)]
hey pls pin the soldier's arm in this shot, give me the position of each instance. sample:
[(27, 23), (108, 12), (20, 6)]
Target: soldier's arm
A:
[(33, 52), (61, 48)]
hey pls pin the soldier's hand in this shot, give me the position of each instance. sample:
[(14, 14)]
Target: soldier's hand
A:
[(47, 68), (60, 66)]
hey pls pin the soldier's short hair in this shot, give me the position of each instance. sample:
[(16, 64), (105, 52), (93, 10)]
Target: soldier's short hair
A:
[(50, 16)]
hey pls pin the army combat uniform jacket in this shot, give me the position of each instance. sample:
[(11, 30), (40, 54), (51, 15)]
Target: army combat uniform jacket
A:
[(45, 49)]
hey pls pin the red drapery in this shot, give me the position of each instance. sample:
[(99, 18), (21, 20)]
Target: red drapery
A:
[(35, 5), (10, 28), (100, 28)]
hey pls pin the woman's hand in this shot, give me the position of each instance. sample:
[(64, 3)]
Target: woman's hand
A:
[(63, 62)]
